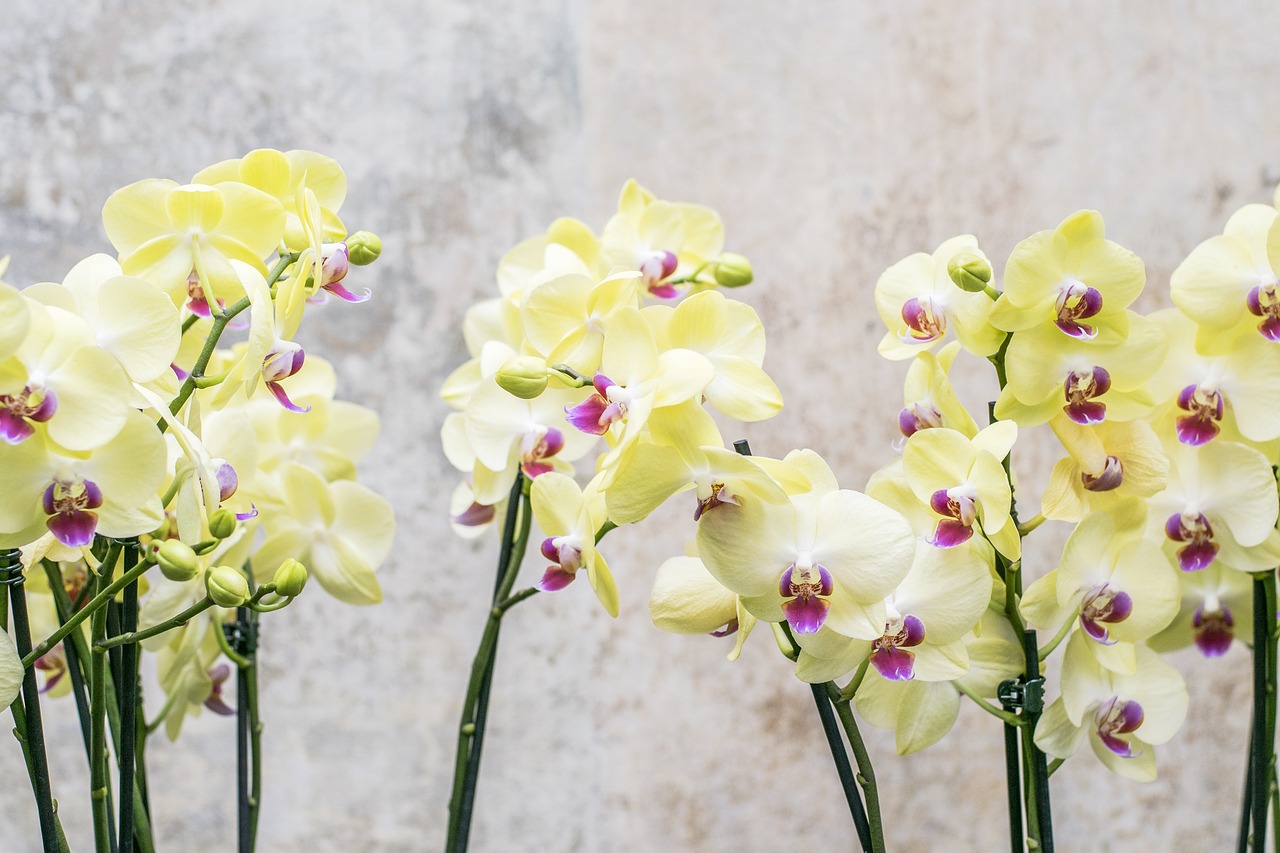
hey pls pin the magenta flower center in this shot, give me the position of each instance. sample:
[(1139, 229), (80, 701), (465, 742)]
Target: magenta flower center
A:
[(1263, 301), (919, 415), (1214, 630), (1080, 390), (959, 508), (890, 653), (1194, 530), (19, 411), (69, 506), (1116, 717), (537, 447), (601, 410), (806, 589), (1204, 408), (720, 494), (1102, 606), (1076, 302), (926, 322), (1111, 476)]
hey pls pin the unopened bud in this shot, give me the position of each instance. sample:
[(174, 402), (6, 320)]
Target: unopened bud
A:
[(970, 272), (227, 586), (176, 560), (733, 270), (290, 578), (222, 523), (525, 376), (363, 248)]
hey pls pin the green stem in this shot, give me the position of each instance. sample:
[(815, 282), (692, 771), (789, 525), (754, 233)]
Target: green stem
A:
[(1055, 764), (851, 689), (99, 600), (475, 705), (1030, 524), (129, 695), (512, 600), (822, 698), (866, 774), (169, 624), (98, 790), (1008, 718), (1047, 650), (1264, 688)]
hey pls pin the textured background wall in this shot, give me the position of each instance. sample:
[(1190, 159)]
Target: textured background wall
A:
[(835, 138)]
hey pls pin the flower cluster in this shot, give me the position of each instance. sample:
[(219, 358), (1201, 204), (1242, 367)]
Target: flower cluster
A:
[(125, 416)]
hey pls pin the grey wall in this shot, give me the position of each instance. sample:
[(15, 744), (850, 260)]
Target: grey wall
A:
[(835, 138)]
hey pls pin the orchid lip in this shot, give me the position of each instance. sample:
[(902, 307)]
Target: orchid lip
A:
[(1080, 388), (924, 320), (1214, 630), (1111, 477), (1263, 301), (806, 591)]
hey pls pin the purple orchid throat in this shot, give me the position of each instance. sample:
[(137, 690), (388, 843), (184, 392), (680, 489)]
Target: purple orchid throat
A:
[(475, 515), (336, 263), (566, 555), (1111, 477), (537, 447), (657, 266), (597, 413), (1080, 388), (1077, 302), (69, 507), (19, 411), (806, 591), (720, 495), (960, 511), (215, 703), (1101, 607), (891, 655), (1197, 532), (1214, 630), (1118, 716), (926, 322), (228, 480), (917, 416), (1204, 407), (283, 361), (1264, 302)]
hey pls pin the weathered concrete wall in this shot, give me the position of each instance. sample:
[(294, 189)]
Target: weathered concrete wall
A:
[(835, 138)]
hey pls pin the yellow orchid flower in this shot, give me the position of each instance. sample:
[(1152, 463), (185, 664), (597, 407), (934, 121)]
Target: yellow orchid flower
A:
[(918, 302), (11, 669), (962, 480), (687, 599), (183, 238), (1229, 282), (279, 175), (15, 322), (1217, 608), (729, 334), (1124, 716), (928, 398), (1108, 463), (571, 517), (1071, 278), (568, 246), (564, 320)]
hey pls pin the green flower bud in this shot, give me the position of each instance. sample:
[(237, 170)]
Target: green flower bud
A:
[(363, 248), (290, 578), (227, 586), (222, 523), (176, 560), (970, 272), (733, 270), (525, 376)]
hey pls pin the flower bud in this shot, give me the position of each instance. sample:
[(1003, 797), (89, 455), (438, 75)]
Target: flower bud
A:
[(227, 586), (525, 376), (290, 578), (970, 272), (282, 361), (228, 480), (363, 248), (733, 270), (176, 560), (222, 523)]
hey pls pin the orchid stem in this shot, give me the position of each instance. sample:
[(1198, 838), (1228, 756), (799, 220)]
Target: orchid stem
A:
[(866, 773), (1055, 764), (169, 624), (98, 784), (475, 706), (851, 689), (1008, 718), (128, 696), (1057, 639), (840, 756), (1264, 703), (1030, 524), (99, 600), (32, 728)]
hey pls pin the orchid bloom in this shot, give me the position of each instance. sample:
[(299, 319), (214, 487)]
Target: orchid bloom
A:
[(1220, 504), (1117, 586), (929, 400), (1108, 463), (183, 239), (1124, 716), (571, 518), (568, 245), (1071, 279), (1217, 609), (662, 240), (963, 481), (565, 318), (918, 302), (687, 599), (1229, 282), (828, 556)]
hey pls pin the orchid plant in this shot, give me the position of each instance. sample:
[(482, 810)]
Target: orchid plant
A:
[(160, 486), (1168, 474)]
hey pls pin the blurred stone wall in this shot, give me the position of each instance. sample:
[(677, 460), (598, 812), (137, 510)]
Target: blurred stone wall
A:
[(835, 138)]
